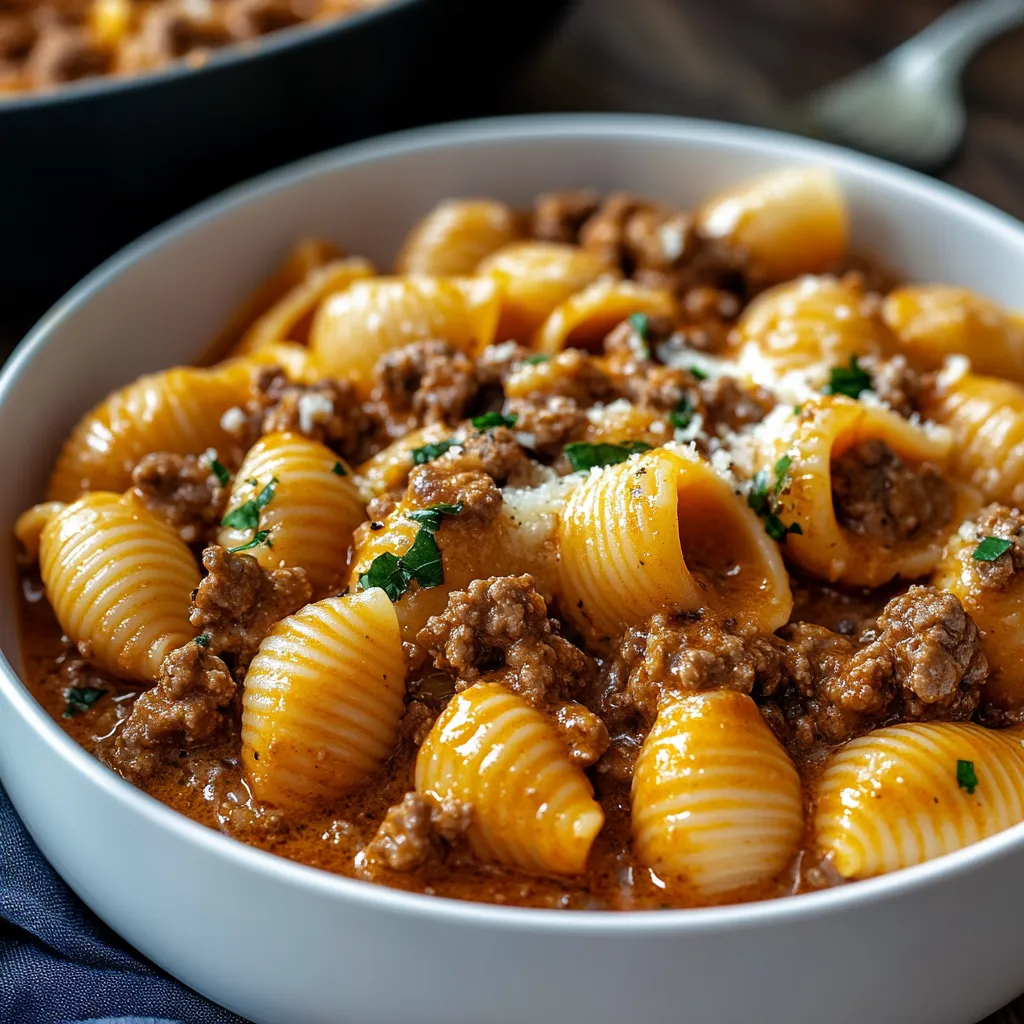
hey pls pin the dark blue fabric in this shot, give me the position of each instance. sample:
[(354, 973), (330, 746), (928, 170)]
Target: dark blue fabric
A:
[(59, 964)]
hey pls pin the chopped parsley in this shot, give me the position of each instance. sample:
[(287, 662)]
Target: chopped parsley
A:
[(583, 456), (218, 469), (261, 537), (534, 360), (797, 409), (764, 495), (423, 559), (422, 562), (429, 452), (247, 515), (494, 419), (387, 572), (203, 640), (641, 325), (850, 380), (991, 548), (432, 517), (966, 777), (339, 470), (698, 372), (682, 415), (80, 698)]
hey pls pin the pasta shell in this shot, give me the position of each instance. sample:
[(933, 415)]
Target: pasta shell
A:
[(353, 329), (312, 515), (456, 235), (177, 410), (583, 320), (119, 581), (289, 318), (807, 327), (986, 417), (894, 798), (934, 321), (826, 428), (323, 699), (663, 529), (536, 278), (389, 469), (787, 222), (533, 809), (716, 800), (998, 611)]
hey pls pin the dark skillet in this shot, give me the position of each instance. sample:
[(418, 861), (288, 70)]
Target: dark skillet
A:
[(85, 169)]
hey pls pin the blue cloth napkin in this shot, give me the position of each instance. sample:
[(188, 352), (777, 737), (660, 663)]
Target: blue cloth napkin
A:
[(59, 964)]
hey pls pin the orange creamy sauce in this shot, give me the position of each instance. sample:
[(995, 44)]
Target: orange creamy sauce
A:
[(208, 786)]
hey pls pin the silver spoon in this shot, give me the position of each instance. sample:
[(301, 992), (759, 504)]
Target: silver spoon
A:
[(907, 107)]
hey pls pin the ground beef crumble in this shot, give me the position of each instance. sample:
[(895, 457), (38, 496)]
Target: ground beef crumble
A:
[(498, 630), (415, 831), (558, 216), (425, 382), (328, 411), (238, 602), (877, 495), (685, 652), (1008, 568), (192, 705), (922, 660), (183, 491)]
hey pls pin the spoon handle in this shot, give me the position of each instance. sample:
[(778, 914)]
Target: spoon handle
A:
[(941, 51)]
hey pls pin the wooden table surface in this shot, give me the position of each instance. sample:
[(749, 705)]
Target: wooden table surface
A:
[(729, 59)]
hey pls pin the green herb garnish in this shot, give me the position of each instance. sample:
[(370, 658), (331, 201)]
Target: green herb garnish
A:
[(423, 559), (534, 360), (339, 470), (682, 415), (494, 419), (387, 572), (431, 517), (422, 562), (765, 491), (850, 380), (203, 640), (641, 325), (393, 574), (797, 409), (247, 515), (261, 537), (219, 471), (991, 548), (966, 777), (583, 456), (429, 452), (80, 698)]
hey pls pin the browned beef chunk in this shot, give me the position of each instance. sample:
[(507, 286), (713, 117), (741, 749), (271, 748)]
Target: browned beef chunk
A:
[(416, 831), (238, 602), (183, 491), (190, 706)]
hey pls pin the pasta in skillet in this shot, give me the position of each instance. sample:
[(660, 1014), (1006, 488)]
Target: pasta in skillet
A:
[(603, 555)]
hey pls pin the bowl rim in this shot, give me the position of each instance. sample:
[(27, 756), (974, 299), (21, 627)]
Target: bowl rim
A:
[(765, 913), (220, 58)]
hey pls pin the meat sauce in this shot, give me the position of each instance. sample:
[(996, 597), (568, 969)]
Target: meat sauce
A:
[(208, 786)]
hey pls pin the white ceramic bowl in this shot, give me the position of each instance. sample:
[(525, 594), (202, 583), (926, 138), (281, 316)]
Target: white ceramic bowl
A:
[(282, 943)]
